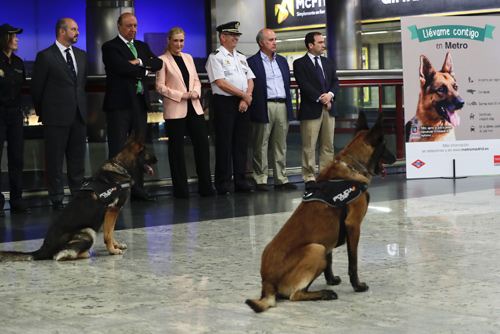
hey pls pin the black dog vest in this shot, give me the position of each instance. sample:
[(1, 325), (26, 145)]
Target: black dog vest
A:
[(106, 192), (335, 193)]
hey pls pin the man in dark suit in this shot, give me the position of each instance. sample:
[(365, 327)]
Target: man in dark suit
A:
[(318, 84), (58, 91), (270, 112), (127, 62)]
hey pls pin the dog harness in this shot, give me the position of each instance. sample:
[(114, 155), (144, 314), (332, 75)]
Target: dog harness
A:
[(106, 192), (335, 193)]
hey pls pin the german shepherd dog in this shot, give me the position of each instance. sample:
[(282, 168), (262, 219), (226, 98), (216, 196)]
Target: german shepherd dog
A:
[(96, 206), (302, 249), (438, 104)]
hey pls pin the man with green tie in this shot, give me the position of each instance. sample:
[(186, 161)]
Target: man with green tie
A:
[(127, 62)]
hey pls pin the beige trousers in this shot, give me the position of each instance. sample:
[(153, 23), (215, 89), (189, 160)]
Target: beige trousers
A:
[(273, 135), (319, 130)]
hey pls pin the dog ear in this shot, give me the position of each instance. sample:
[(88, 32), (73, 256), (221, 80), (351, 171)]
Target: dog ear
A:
[(376, 133), (448, 65), (361, 123), (426, 71)]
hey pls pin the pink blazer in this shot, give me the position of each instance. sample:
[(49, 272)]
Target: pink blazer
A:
[(171, 85)]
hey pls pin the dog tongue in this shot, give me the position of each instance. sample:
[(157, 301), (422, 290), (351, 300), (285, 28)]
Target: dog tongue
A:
[(149, 170), (454, 118)]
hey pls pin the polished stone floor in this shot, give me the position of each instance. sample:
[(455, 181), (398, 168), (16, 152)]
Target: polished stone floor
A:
[(428, 251)]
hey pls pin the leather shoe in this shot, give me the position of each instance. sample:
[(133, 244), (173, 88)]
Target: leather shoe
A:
[(262, 187), (247, 189), (57, 206), (223, 192), (144, 197), (285, 186)]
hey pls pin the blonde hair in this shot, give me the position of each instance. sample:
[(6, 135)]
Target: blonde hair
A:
[(173, 31)]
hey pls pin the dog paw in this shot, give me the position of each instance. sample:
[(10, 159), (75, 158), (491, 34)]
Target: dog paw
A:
[(362, 287), (335, 280), (120, 246), (329, 295), (84, 255), (115, 251)]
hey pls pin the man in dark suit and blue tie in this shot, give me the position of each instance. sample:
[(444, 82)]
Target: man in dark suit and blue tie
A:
[(58, 91), (270, 112), (318, 83), (127, 62)]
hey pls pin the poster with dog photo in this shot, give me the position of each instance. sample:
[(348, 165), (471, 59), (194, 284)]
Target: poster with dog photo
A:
[(451, 78)]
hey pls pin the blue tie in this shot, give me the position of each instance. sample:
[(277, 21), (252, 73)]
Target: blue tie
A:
[(69, 60), (319, 73)]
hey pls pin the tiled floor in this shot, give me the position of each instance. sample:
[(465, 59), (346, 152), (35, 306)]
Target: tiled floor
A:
[(428, 251)]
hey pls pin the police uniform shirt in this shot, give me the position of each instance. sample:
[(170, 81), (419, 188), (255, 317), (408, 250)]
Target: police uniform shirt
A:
[(12, 77), (221, 64)]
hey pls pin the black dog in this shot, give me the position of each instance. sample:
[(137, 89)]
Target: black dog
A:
[(93, 208)]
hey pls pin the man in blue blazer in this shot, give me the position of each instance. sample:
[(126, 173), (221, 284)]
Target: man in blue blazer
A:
[(270, 111), (318, 84), (127, 62), (58, 91)]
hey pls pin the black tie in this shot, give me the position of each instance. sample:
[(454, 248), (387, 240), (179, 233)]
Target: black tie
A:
[(69, 60), (320, 74)]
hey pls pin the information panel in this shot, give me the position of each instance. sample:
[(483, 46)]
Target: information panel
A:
[(451, 77)]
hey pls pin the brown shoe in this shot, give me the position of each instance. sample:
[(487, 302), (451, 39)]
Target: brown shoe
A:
[(262, 187), (285, 186)]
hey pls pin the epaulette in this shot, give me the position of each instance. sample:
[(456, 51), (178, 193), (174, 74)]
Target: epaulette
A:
[(215, 52), (241, 53)]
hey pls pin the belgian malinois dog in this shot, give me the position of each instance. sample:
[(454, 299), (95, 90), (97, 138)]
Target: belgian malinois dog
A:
[(302, 249), (96, 206), (438, 104)]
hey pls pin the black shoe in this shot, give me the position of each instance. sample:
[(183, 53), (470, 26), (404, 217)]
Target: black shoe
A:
[(182, 196), (262, 187), (310, 185), (57, 206), (144, 197), (223, 192), (285, 186), (244, 189)]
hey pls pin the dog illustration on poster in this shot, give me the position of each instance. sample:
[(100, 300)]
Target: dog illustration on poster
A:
[(438, 104)]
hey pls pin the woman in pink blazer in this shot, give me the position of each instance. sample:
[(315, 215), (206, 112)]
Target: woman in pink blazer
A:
[(180, 87)]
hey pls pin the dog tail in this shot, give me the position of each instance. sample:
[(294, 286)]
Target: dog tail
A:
[(267, 299), (16, 256)]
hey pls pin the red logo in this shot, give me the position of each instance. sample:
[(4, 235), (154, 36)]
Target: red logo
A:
[(418, 163), (496, 160)]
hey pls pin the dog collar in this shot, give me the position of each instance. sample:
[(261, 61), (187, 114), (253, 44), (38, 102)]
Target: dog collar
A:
[(343, 163), (121, 168)]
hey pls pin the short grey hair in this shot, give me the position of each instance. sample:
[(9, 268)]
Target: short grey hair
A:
[(260, 37)]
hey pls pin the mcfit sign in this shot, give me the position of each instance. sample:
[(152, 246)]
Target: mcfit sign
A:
[(294, 14)]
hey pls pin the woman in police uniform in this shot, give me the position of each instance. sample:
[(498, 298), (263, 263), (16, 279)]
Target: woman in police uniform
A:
[(12, 78)]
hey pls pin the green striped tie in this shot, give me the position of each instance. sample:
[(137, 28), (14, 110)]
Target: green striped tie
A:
[(134, 51)]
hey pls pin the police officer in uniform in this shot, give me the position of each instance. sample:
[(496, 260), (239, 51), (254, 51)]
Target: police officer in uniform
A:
[(12, 78), (232, 85)]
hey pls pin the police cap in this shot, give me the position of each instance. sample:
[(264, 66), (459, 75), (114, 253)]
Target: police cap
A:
[(230, 27), (8, 29)]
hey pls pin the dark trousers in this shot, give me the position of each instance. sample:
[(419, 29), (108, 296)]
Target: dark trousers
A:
[(120, 124), (195, 126), (61, 141), (231, 142), (11, 130)]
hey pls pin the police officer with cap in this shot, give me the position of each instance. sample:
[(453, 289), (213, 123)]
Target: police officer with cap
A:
[(232, 84), (12, 79)]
